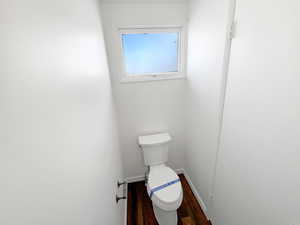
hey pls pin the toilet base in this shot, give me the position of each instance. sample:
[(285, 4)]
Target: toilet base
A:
[(165, 217)]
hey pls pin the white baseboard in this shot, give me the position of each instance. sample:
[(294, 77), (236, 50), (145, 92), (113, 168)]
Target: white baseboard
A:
[(135, 179), (179, 171), (142, 177), (198, 197)]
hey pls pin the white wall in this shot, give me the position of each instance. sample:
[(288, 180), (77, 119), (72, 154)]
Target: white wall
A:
[(145, 107), (258, 171), (206, 40), (58, 135)]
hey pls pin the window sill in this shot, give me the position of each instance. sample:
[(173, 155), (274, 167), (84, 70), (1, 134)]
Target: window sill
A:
[(151, 79)]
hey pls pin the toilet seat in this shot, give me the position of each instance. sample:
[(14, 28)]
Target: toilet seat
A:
[(169, 197)]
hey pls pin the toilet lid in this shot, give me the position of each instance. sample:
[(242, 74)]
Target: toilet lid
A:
[(164, 187)]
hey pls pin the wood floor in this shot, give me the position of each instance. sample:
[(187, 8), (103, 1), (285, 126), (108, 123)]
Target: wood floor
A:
[(140, 212)]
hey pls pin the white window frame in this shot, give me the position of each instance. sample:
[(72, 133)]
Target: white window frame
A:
[(180, 74)]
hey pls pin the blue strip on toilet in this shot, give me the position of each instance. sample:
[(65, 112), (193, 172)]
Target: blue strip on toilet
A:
[(163, 186)]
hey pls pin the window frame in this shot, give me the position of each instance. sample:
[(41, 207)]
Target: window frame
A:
[(180, 74)]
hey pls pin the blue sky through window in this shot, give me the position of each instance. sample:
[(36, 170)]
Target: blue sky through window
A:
[(150, 53)]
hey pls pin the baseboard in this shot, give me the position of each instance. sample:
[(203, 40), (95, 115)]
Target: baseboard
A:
[(135, 179), (198, 197), (178, 171), (142, 177)]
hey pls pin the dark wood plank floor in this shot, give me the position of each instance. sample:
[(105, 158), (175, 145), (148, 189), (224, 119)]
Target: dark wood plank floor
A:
[(140, 212)]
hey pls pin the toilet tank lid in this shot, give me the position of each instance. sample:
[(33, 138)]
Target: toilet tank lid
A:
[(154, 139)]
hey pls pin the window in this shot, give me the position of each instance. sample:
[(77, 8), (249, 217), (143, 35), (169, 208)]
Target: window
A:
[(152, 54)]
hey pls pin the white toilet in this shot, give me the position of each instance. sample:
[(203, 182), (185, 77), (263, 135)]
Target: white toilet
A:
[(163, 184)]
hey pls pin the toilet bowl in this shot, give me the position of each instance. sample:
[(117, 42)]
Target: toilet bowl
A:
[(163, 184), (164, 189)]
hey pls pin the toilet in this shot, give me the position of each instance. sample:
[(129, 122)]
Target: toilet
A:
[(163, 184)]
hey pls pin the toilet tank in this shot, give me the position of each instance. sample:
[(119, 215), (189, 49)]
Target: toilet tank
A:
[(155, 148)]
